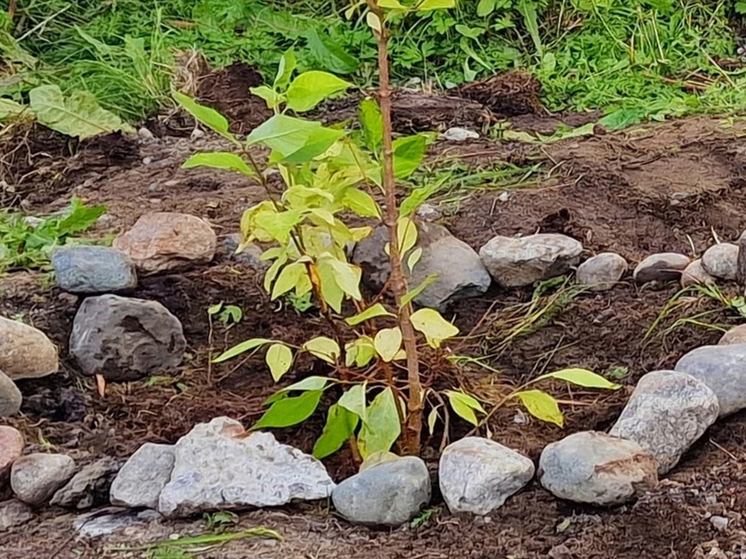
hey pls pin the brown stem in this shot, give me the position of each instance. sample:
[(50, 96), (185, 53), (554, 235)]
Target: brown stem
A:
[(397, 282)]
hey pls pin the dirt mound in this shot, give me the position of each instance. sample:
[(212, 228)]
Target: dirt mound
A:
[(508, 94)]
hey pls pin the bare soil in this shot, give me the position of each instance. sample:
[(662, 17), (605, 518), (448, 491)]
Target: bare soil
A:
[(668, 186)]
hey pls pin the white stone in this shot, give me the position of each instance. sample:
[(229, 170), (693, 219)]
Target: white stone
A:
[(456, 134)]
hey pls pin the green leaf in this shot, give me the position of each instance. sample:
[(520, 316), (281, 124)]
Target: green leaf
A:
[(426, 5), (78, 115), (464, 405), (542, 406), (219, 160), (215, 309), (330, 55), (347, 277), (290, 411), (371, 120), (294, 139), (388, 342), (371, 312), (408, 154), (205, 115), (286, 67), (360, 352), (288, 279), (354, 400), (361, 203), (485, 7), (243, 347), (330, 290), (311, 88), (9, 108), (308, 383), (582, 377), (407, 232), (278, 224), (279, 359), (340, 426), (413, 293), (391, 5), (433, 326), (323, 348), (270, 96), (382, 428)]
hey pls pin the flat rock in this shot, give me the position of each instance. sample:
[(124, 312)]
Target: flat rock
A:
[(10, 396), (664, 266), (164, 241), (723, 369), (602, 271), (459, 271), (517, 262), (218, 466), (736, 335), (108, 520), (666, 414), (595, 468), (721, 261), (93, 269), (695, 274), (11, 449), (14, 513), (388, 494), (125, 339), (25, 352), (142, 478), (36, 477), (477, 475), (457, 134), (90, 486), (250, 255)]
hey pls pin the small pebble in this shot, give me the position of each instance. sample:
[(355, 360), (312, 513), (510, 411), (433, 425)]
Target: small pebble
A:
[(719, 522)]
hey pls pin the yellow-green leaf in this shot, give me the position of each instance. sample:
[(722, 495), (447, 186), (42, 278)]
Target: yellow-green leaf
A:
[(361, 203), (373, 22), (582, 377), (542, 406), (219, 160), (433, 326), (207, 116), (381, 429), (426, 5), (464, 405), (387, 343), (391, 5), (412, 294), (360, 352), (406, 230), (373, 311), (330, 289), (310, 88), (432, 419), (323, 348), (243, 347), (354, 400), (288, 278), (347, 277), (413, 258), (279, 358)]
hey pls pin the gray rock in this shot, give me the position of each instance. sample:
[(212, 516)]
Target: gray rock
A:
[(90, 486), (736, 335), (477, 475), (456, 134), (695, 274), (125, 339), (93, 269), (11, 449), (720, 523), (165, 241), (460, 273), (723, 369), (25, 352), (664, 266), (106, 521), (602, 271), (36, 477), (142, 478), (517, 262), (250, 255), (10, 396), (388, 494), (595, 468), (218, 466), (666, 414), (14, 513), (721, 261)]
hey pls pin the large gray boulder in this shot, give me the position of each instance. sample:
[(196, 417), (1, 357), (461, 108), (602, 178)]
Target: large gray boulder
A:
[(595, 468), (477, 475), (25, 352), (218, 466), (93, 269), (142, 478), (387, 494), (666, 414), (721, 261), (125, 339), (723, 369), (663, 266), (602, 271), (35, 478), (459, 271), (521, 261), (10, 396)]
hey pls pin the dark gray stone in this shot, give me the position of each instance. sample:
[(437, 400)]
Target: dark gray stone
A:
[(664, 266), (142, 478), (596, 468), (250, 255), (721, 261), (93, 269), (666, 414), (125, 339), (10, 396), (90, 486), (458, 269), (602, 271), (723, 369), (36, 477), (388, 494), (14, 513), (522, 261)]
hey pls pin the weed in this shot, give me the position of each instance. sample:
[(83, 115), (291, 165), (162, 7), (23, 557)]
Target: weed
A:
[(226, 314), (424, 517), (220, 521)]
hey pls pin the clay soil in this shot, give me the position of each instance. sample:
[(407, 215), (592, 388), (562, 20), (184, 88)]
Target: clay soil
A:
[(669, 186)]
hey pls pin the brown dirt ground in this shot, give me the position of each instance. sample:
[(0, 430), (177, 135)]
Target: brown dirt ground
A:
[(668, 186)]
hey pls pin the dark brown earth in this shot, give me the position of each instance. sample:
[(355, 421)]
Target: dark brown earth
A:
[(668, 186)]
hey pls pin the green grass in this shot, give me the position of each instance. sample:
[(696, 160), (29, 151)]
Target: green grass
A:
[(640, 56)]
